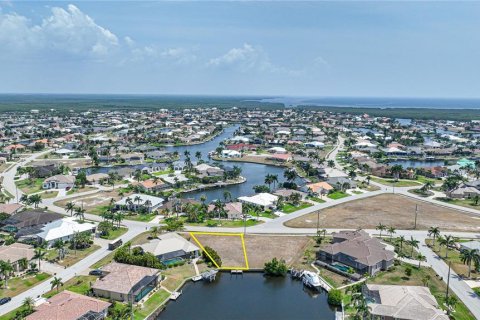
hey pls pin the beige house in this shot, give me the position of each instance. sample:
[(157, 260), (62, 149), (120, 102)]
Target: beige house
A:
[(68, 305), (16, 252), (124, 282)]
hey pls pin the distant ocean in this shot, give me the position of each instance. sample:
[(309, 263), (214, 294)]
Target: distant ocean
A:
[(362, 102), (99, 100)]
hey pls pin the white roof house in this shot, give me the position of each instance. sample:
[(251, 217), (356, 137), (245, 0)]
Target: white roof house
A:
[(314, 144), (265, 200), (277, 150), (64, 151), (470, 245), (171, 245), (239, 139), (231, 154), (63, 229)]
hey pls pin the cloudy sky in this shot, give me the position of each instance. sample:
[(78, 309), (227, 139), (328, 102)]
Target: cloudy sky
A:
[(342, 48)]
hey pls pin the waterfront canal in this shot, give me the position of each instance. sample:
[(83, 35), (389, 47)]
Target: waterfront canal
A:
[(249, 296)]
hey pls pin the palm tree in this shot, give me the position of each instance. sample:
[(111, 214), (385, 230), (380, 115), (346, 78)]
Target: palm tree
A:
[(80, 212), (268, 180), (198, 155), (290, 175), (70, 207), (137, 199), (381, 227), (391, 231), (118, 217), (147, 204), (56, 283), (396, 170), (414, 244), (39, 254), (227, 195), (446, 241), (420, 258), (23, 263), (35, 199), (435, 233), (154, 232), (274, 180), (368, 178), (428, 185), (60, 246), (468, 256), (28, 303), (219, 207), (6, 269)]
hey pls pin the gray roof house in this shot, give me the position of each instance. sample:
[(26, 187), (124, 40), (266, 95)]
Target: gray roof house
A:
[(356, 249), (171, 245)]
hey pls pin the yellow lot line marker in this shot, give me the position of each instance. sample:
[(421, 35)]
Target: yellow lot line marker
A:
[(246, 267)]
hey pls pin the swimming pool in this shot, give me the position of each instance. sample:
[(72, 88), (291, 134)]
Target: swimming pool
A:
[(341, 268), (172, 261)]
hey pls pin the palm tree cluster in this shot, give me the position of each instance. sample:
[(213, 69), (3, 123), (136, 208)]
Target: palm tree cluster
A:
[(34, 199)]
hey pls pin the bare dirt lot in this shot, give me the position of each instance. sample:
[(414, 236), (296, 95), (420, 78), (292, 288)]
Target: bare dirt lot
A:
[(260, 249), (391, 210), (92, 201)]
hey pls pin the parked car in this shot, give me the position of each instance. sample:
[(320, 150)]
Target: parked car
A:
[(5, 300), (96, 272)]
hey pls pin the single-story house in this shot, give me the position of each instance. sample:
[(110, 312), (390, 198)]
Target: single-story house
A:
[(204, 169), (152, 185), (263, 200), (59, 182), (470, 245), (463, 192), (319, 187), (11, 208), (64, 152), (68, 305), (314, 144), (341, 181), (232, 209), (287, 193), (231, 154), (391, 302), (171, 245), (356, 249), (29, 221), (150, 203), (125, 282), (63, 229), (15, 252)]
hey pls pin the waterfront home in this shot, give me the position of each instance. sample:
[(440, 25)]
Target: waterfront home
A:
[(97, 178), (11, 208), (137, 201), (241, 147), (391, 302), (278, 150), (319, 188), (43, 169), (125, 282), (342, 183), (206, 170), (59, 182), (63, 229), (174, 178), (287, 193), (68, 305), (314, 144), (262, 200), (151, 185), (29, 221), (232, 209), (15, 252), (463, 191), (231, 154), (169, 246), (357, 250)]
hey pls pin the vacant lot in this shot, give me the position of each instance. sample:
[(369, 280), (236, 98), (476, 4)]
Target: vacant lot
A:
[(391, 210), (260, 249), (92, 202)]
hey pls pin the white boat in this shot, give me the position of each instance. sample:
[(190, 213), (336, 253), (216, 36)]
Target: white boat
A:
[(196, 278), (311, 279)]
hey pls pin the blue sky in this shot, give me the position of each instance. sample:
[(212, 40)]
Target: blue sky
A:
[(342, 48)]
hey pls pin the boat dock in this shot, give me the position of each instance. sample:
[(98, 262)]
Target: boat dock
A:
[(209, 275), (236, 272), (196, 278), (174, 296)]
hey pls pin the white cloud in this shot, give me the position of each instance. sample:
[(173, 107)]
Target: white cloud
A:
[(321, 62), (69, 30), (250, 58)]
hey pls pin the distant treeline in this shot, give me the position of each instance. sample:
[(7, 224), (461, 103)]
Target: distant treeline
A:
[(62, 103), (406, 113)]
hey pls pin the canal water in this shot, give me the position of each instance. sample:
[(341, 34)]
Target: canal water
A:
[(417, 163), (251, 296)]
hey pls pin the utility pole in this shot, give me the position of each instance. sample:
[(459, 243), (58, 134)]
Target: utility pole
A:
[(318, 220), (416, 213), (448, 287)]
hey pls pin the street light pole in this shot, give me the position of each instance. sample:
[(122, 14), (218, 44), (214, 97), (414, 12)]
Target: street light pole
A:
[(448, 287), (416, 213), (318, 220)]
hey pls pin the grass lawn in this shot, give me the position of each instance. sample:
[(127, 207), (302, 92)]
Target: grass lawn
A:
[(406, 248), (78, 284), (18, 285), (151, 304), (437, 287), (140, 217), (159, 173), (80, 190), (30, 186), (424, 179), (316, 199), (49, 194), (477, 291), (115, 233), (98, 210), (71, 258), (140, 239), (453, 256), (289, 208), (460, 202), (392, 182), (337, 195), (357, 192), (225, 223)]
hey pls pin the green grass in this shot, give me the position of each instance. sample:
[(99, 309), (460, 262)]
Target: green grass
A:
[(98, 210), (30, 186), (477, 291), (78, 284), (73, 257), (141, 217), (115, 233), (337, 195), (289, 208), (316, 199), (467, 203), (392, 182), (159, 173), (49, 194), (225, 223), (424, 179), (151, 304), (19, 285)]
